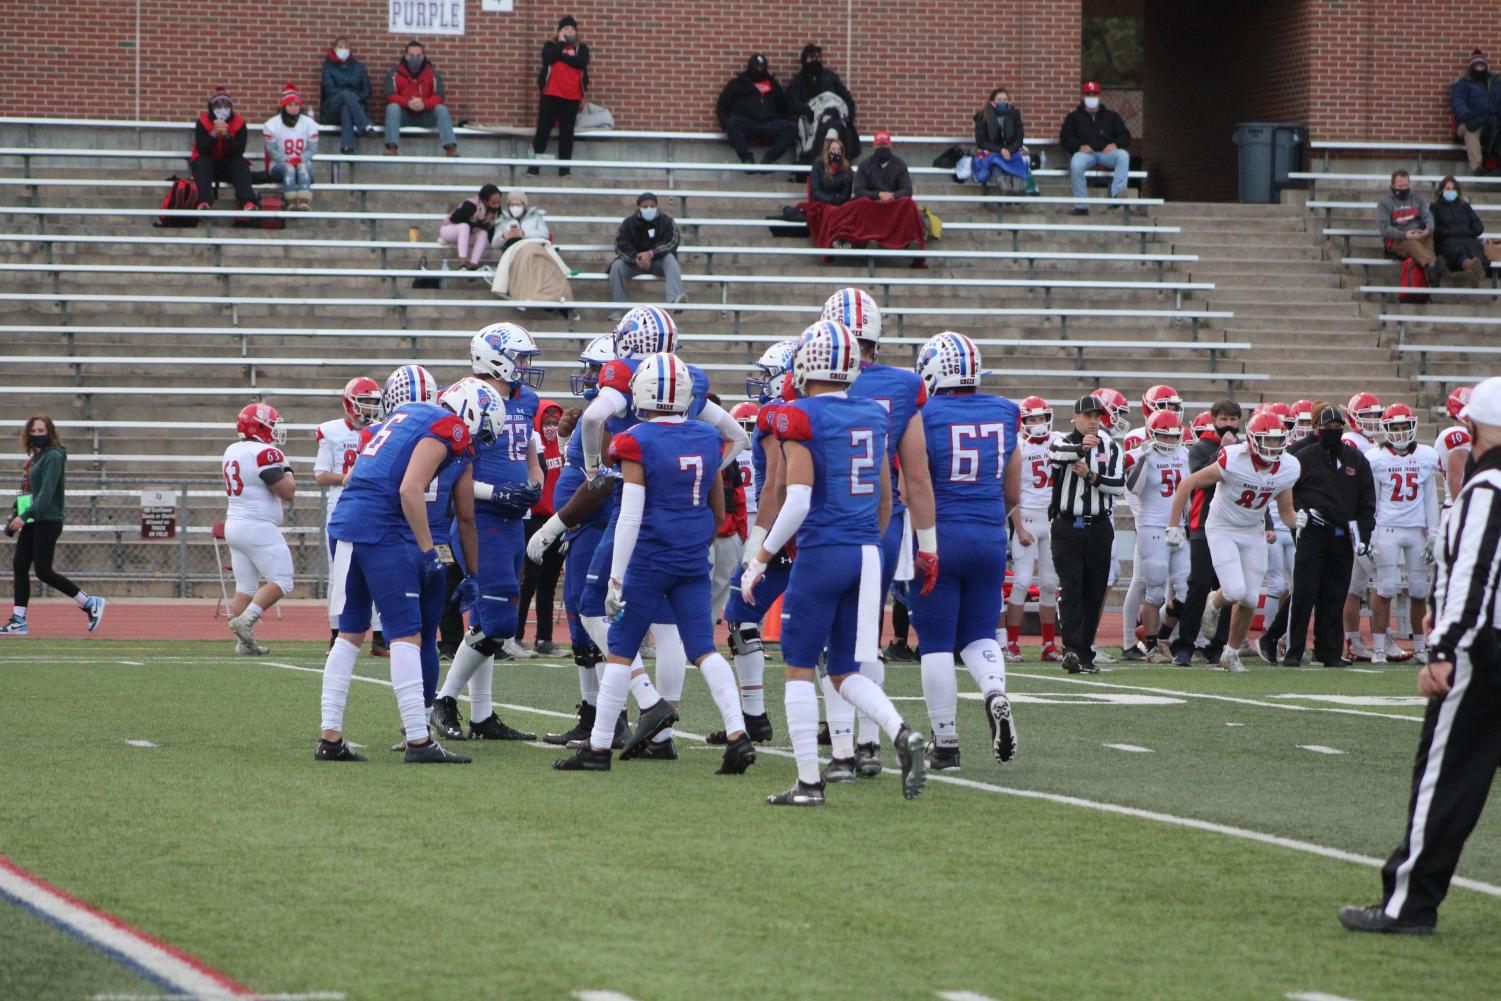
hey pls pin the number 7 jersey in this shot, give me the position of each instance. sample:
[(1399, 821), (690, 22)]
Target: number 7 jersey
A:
[(1240, 502), (847, 439)]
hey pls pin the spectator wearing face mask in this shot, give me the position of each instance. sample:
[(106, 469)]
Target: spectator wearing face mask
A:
[(1475, 100), (832, 179), (875, 207), (1456, 233), (753, 106), (646, 243), (291, 140), (563, 79), (821, 104), (883, 176), (471, 225), (415, 95), (529, 268), (1000, 145), (1095, 136), (346, 88), (219, 152), (1406, 226)]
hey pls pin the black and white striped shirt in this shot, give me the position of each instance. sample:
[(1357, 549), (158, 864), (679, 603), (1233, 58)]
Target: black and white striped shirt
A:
[(1076, 495), (1468, 570)]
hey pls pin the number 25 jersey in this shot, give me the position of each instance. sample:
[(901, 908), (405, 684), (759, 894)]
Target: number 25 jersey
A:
[(1240, 502), (970, 438), (847, 439)]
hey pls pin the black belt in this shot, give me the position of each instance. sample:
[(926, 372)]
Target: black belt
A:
[(1080, 520)]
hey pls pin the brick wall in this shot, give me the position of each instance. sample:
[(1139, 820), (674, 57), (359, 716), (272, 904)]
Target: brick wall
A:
[(914, 65)]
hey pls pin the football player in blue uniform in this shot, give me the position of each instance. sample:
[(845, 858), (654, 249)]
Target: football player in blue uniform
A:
[(976, 474), (507, 482), (670, 505), (838, 502), (385, 551), (901, 394)]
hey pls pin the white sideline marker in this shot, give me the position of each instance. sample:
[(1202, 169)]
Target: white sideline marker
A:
[(140, 743), (1315, 996), (964, 996), (1319, 749), (1133, 748), (601, 996)]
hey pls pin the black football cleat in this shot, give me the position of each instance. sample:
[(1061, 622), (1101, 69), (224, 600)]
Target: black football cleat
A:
[(446, 719), (584, 760), (1088, 667), (658, 750), (378, 645), (910, 748), (801, 794), (1133, 653), (336, 750), (1002, 727), (758, 728), (943, 759), (1266, 649), (823, 735), (739, 755), (868, 760), (652, 721), (1374, 919), (839, 770), (433, 753), (494, 729), (1071, 662), (622, 731), (1292, 660), (579, 730), (717, 738)]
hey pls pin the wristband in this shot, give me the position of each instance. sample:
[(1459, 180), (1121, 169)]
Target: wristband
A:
[(483, 491), (927, 539), (753, 542)]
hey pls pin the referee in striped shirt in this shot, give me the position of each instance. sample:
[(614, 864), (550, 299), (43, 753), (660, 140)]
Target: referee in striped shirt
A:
[(1087, 478), (1460, 746)]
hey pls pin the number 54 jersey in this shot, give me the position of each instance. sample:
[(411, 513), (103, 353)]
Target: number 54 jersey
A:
[(847, 438), (1240, 501)]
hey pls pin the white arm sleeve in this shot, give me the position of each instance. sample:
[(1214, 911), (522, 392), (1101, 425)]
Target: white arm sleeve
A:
[(325, 462), (714, 414), (609, 403), (627, 528), (790, 518), (1432, 508)]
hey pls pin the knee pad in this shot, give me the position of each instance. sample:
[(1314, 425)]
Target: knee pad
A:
[(1174, 609), (1388, 580), (745, 638), (1155, 595), (489, 646), (1047, 592)]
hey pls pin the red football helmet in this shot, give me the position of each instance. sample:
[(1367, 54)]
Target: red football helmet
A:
[(1363, 413), (1116, 407), (1037, 418), (261, 422), (1267, 437), (1400, 425), (1203, 426), (745, 413), (362, 400), (1165, 430), (1282, 410), (1302, 419), (1457, 400), (1160, 397)]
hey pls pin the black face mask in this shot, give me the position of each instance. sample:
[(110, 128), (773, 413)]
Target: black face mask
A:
[(813, 66), (289, 118), (836, 156), (1401, 193), (1479, 73), (1330, 438), (38, 441), (757, 75), (883, 154), (1229, 429)]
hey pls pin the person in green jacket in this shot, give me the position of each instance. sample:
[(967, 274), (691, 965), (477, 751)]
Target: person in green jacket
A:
[(36, 522)]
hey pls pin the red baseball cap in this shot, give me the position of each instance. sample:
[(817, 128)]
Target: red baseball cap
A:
[(883, 138), (1091, 88)]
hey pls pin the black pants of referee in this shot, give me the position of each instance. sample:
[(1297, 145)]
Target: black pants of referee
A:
[(1081, 556), (1201, 581), (1458, 754), (1321, 577)]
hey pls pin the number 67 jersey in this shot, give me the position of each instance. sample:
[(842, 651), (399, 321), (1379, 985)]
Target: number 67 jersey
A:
[(1241, 500)]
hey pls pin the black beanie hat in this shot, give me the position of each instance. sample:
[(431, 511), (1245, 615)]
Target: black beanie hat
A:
[(567, 21)]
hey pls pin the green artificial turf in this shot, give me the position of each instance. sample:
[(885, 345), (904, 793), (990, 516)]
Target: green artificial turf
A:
[(506, 879)]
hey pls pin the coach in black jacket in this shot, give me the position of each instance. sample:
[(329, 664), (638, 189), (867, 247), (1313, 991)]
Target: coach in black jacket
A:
[(1334, 490)]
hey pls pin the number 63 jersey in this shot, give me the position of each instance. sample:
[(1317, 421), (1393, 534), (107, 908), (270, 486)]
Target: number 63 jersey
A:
[(847, 439), (1240, 501)]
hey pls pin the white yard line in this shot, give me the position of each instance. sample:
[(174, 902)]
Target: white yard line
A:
[(964, 996), (140, 743), (1134, 748), (601, 996), (1319, 749), (1315, 996), (312, 996)]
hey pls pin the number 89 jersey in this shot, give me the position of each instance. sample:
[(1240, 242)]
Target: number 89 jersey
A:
[(847, 439), (1240, 502), (970, 438)]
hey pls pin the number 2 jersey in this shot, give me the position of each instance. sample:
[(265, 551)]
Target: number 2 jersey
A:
[(370, 508), (681, 461), (1402, 485), (847, 439), (1241, 500), (901, 393), (970, 438), (338, 446), (250, 467)]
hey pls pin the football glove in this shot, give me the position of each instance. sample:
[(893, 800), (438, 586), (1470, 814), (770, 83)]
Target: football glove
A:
[(1366, 549), (1429, 543), (925, 569), (542, 538), (432, 567), (467, 593), (614, 604), (750, 576), (514, 500), (1174, 536)]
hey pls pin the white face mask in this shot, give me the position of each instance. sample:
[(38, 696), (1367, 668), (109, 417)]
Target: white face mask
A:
[(341, 54), (517, 211), (649, 213), (223, 114), (1092, 103)]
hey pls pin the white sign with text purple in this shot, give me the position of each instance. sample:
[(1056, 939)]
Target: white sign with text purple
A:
[(426, 17)]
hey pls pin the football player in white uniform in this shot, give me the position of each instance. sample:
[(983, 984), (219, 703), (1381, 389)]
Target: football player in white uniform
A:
[(1159, 397), (1363, 424), (1407, 516), (1453, 446), (1032, 533), (1154, 474), (1282, 547), (257, 479), (338, 444), (1249, 475)]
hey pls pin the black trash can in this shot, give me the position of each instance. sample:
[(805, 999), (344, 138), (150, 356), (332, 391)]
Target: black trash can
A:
[(1268, 153)]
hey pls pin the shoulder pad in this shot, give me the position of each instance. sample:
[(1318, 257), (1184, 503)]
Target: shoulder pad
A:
[(765, 418), (625, 446), (792, 424), (270, 457), (616, 375), (452, 432), (922, 392)]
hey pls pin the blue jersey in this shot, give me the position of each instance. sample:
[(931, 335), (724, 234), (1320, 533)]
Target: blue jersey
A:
[(681, 462), (847, 438), (902, 393), (764, 429), (504, 460), (572, 477), (369, 510), (970, 438), (440, 503)]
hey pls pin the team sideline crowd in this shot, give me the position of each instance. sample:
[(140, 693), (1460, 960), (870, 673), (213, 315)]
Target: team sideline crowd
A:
[(868, 480)]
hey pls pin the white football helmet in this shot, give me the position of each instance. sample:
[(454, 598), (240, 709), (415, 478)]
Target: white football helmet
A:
[(826, 352), (775, 364), (949, 361), (505, 351), (408, 384), (857, 311), (645, 330), (661, 383), (477, 405), (599, 353)]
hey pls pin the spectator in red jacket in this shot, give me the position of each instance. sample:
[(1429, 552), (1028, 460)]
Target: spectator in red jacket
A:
[(415, 96), (563, 79), (541, 579), (219, 152), (729, 542)]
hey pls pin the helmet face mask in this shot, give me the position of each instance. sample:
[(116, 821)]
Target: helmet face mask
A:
[(775, 366), (1266, 437), (362, 401), (1165, 431), (1036, 418), (477, 405), (261, 422), (1399, 425), (1116, 408), (599, 353), (745, 414), (1160, 397), (1363, 413)]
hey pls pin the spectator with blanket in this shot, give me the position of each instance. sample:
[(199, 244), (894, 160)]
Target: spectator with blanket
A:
[(529, 266), (1475, 100), (219, 152), (879, 212), (822, 105), (1000, 146)]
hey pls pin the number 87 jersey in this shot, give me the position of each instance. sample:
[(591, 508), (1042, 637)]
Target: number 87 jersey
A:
[(1241, 500)]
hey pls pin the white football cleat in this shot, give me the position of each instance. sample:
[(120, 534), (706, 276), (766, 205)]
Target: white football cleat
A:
[(516, 650), (1230, 661)]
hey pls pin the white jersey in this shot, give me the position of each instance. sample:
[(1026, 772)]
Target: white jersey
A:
[(1402, 485), (1153, 479), (285, 141), (250, 497), (1358, 440), (338, 444), (1037, 473), (1453, 445), (1241, 500), (1131, 445), (748, 480)]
